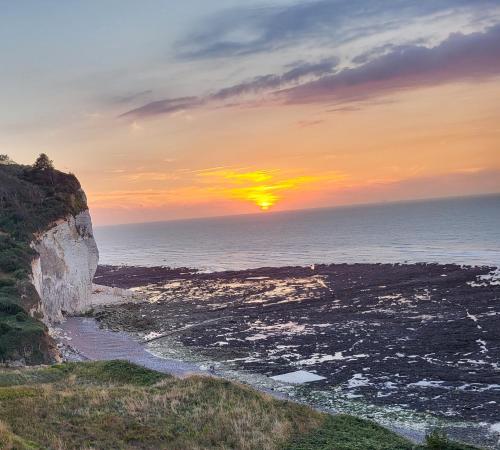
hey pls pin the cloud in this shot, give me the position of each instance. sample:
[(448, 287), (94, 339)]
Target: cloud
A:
[(243, 31), (267, 82), (309, 123), (458, 58), (263, 188), (477, 182), (170, 105), (257, 176), (150, 176), (129, 98), (343, 109), (196, 201), (258, 84)]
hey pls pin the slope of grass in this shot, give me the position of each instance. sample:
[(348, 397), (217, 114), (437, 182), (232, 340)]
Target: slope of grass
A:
[(119, 405), (345, 432)]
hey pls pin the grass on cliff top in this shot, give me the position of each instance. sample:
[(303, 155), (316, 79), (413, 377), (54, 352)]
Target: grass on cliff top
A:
[(119, 405)]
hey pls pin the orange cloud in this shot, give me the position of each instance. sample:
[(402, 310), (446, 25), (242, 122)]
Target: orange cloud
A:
[(264, 188), (257, 176), (150, 176)]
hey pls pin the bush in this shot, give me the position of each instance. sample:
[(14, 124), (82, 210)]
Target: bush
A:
[(438, 440), (4, 328), (21, 317), (6, 282), (9, 308), (117, 371)]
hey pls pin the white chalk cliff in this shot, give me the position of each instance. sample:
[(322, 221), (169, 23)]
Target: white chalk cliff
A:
[(62, 272)]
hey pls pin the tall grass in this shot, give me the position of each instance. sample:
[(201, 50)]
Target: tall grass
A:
[(115, 404)]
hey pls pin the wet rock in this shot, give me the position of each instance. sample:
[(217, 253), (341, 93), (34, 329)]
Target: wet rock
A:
[(422, 336)]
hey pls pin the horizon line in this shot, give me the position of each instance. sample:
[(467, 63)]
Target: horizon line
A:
[(286, 211)]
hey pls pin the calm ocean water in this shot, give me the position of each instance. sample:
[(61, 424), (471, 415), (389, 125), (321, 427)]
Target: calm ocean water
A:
[(463, 231)]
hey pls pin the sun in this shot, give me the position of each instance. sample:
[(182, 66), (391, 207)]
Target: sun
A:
[(263, 188), (263, 197), (264, 206)]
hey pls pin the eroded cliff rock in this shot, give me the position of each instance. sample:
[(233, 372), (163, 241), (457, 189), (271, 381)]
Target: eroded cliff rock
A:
[(62, 272)]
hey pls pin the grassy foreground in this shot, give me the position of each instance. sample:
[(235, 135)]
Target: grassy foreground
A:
[(117, 405)]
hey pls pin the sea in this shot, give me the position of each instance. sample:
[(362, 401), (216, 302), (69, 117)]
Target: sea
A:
[(464, 231)]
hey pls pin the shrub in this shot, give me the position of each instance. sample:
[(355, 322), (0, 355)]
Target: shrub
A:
[(43, 163), (438, 440), (117, 371), (21, 316), (9, 308)]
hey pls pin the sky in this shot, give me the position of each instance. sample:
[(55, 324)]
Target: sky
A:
[(177, 109)]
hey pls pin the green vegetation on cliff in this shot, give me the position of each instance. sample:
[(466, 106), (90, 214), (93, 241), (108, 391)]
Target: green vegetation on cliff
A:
[(31, 199), (116, 404)]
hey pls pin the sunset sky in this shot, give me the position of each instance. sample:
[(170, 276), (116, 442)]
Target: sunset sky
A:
[(170, 109)]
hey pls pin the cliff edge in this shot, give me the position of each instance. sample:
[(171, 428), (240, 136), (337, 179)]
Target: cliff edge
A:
[(48, 257)]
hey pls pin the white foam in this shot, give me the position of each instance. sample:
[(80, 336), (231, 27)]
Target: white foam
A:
[(482, 344), (491, 279), (358, 380), (495, 427), (152, 335), (427, 384), (257, 337), (317, 358)]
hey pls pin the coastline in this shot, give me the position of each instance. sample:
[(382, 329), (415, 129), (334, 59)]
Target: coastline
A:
[(176, 297)]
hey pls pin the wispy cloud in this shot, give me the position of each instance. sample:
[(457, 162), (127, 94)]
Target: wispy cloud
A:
[(243, 31), (264, 188), (264, 83), (256, 176), (133, 97), (309, 123), (157, 204), (461, 57), (150, 176), (267, 82), (166, 106), (474, 182)]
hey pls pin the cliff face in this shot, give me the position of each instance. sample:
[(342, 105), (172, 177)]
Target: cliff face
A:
[(64, 267), (48, 257)]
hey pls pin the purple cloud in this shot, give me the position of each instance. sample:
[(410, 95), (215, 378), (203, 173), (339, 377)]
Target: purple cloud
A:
[(262, 83), (269, 82), (460, 57), (322, 21), (170, 105)]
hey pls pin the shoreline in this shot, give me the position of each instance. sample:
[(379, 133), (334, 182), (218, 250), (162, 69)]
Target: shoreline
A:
[(297, 300), (133, 275)]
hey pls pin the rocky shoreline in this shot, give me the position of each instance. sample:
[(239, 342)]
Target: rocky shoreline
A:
[(420, 338)]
